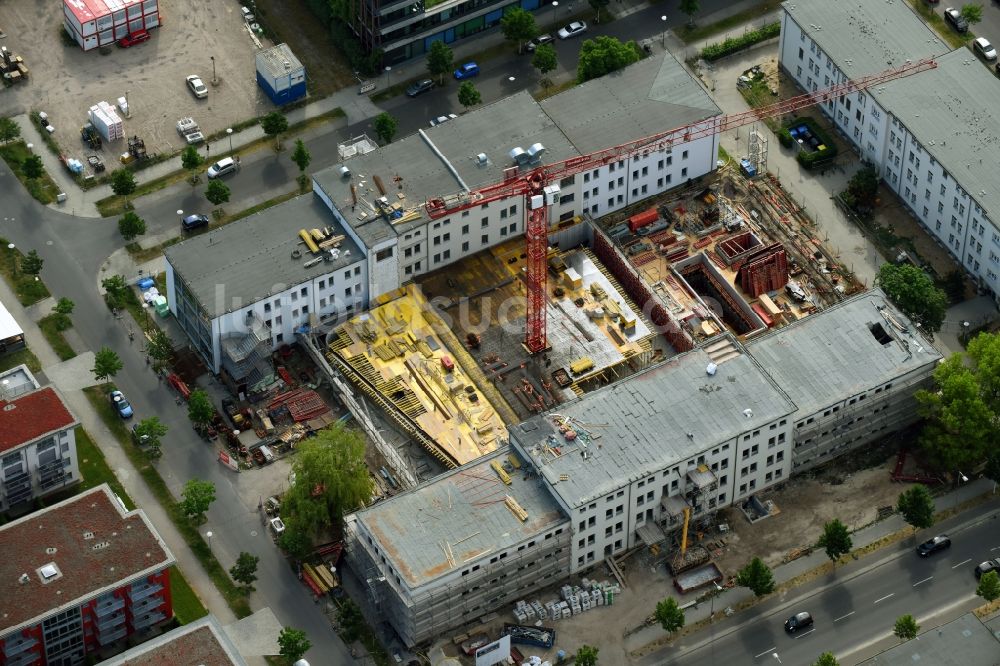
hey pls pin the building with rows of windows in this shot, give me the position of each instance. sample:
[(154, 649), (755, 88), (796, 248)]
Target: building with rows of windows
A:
[(79, 577), (931, 135), (706, 429)]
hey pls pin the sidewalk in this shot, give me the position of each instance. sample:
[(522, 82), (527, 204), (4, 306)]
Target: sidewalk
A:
[(734, 596), (68, 377)]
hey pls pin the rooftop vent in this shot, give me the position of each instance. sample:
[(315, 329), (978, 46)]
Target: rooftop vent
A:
[(49, 572), (344, 171), (482, 160), (519, 155), (24, 579), (536, 151), (748, 413), (710, 369), (50, 551)]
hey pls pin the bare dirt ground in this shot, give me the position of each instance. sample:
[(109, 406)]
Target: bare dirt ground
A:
[(293, 23), (65, 81)]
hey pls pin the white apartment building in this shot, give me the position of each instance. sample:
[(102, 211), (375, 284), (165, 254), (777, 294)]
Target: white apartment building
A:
[(931, 135), (37, 441)]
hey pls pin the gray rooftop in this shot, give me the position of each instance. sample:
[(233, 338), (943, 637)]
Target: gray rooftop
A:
[(952, 112), (655, 419), (649, 97), (961, 642), (252, 258), (463, 508), (272, 60), (832, 354), (866, 36)]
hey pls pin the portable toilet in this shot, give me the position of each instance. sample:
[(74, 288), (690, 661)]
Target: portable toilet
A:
[(280, 74)]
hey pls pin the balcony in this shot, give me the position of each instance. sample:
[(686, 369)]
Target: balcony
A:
[(147, 621), (141, 591), (107, 638), (109, 624), (106, 607)]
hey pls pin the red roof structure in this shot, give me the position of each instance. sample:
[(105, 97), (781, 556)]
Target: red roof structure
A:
[(31, 416)]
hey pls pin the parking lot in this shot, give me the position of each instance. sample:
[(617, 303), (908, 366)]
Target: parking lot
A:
[(65, 81)]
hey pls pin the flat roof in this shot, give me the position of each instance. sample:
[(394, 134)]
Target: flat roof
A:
[(273, 60), (950, 110), (9, 327), (202, 642), (662, 416), (31, 416), (649, 97), (462, 510), (252, 258), (89, 10), (962, 642), (832, 354), (868, 36), (94, 545)]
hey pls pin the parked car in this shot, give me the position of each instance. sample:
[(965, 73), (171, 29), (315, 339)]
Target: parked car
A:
[(223, 167), (443, 119), (572, 30), (121, 404), (247, 14), (798, 621), (137, 37), (467, 71), (192, 222), (419, 87), (987, 566), (955, 18), (538, 41), (199, 89), (984, 49), (931, 546)]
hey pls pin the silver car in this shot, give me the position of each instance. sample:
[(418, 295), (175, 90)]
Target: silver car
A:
[(197, 87)]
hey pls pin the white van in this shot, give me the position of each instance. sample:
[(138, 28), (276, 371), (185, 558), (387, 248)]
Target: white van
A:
[(223, 167)]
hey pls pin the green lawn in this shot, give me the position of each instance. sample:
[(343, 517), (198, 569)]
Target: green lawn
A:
[(94, 467), (187, 605), (49, 325), (29, 288), (43, 189), (688, 34), (16, 358)]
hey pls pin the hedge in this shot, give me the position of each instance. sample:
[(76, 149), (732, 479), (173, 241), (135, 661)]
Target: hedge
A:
[(733, 44), (810, 158)]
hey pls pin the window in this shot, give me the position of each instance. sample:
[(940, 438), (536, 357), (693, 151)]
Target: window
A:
[(485, 222), (382, 255), (465, 229), (465, 246), (485, 239)]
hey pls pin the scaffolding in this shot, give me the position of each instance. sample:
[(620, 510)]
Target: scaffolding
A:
[(757, 149)]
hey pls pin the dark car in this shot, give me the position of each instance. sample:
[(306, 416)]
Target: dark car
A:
[(192, 222), (955, 18), (467, 71), (419, 87), (931, 546), (798, 621), (538, 41), (986, 567), (137, 37)]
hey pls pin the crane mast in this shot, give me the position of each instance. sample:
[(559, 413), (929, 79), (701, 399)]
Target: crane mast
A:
[(532, 183)]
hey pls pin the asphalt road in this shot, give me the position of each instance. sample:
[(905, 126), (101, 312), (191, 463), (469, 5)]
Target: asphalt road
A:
[(856, 606), (989, 27)]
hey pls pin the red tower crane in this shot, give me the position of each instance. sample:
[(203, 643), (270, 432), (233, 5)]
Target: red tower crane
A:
[(532, 182)]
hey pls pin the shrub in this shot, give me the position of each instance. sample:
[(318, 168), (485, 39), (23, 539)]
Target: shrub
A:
[(812, 158), (733, 44), (785, 138)]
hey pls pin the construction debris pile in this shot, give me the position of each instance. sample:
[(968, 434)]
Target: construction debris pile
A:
[(12, 67)]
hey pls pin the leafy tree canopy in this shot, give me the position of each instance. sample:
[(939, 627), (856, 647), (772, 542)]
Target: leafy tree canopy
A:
[(913, 292), (602, 55)]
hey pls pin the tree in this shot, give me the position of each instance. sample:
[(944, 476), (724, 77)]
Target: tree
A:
[(862, 190), (468, 95), (518, 26), (597, 6), (906, 627), (217, 192), (295, 540), (274, 124), (351, 621), (31, 263), (669, 615), (331, 479), (835, 539), (200, 408), (106, 364), (196, 497), (689, 7), (756, 576), (827, 659), (301, 156), (992, 469), (440, 60), (913, 292), (586, 656), (123, 183), (989, 586), (245, 570), (973, 13), (9, 130), (984, 352), (148, 433), (191, 159), (544, 59), (116, 291), (32, 167), (602, 55), (61, 312), (959, 428), (131, 225), (160, 348), (917, 507), (385, 126), (293, 644)]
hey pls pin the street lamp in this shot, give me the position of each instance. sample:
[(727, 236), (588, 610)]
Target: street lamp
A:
[(775, 655), (511, 79), (663, 35), (12, 247), (711, 612), (214, 79), (229, 131), (555, 6), (388, 69), (209, 535)]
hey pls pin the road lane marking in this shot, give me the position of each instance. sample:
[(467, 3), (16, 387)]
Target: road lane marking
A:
[(798, 636), (922, 581), (891, 594), (767, 651), (844, 616), (961, 563)]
